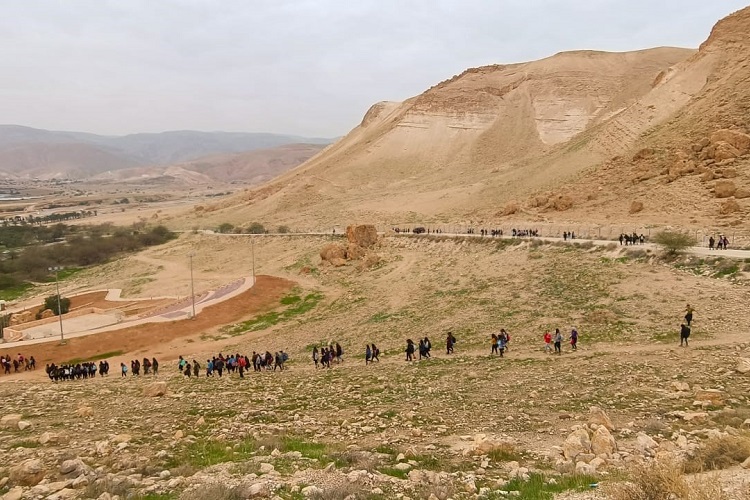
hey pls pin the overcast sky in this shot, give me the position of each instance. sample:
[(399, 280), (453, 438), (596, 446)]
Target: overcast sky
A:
[(308, 67)]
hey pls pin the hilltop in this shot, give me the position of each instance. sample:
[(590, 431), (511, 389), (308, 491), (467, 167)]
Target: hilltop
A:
[(565, 138)]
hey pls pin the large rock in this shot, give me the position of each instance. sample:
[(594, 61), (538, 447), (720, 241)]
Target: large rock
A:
[(724, 189), (602, 442), (743, 365), (737, 140), (578, 442), (73, 468), (47, 313), (155, 389), (27, 473), (725, 151), (364, 235), (635, 207), (332, 252), (10, 420), (355, 252), (742, 193), (599, 417), (253, 490)]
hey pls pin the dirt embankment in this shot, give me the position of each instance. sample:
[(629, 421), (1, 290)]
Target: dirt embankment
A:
[(265, 295)]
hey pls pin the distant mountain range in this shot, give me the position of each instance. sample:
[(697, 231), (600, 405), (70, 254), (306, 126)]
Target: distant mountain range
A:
[(35, 153)]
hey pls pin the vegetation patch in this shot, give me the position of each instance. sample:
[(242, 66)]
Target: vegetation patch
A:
[(97, 357), (539, 487), (296, 306)]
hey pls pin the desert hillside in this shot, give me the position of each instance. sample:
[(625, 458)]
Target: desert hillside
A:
[(564, 138)]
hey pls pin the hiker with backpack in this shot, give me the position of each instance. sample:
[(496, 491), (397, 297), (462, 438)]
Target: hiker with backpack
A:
[(450, 341)]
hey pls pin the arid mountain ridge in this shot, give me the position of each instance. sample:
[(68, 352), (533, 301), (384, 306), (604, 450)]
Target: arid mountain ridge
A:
[(563, 138), (33, 153)]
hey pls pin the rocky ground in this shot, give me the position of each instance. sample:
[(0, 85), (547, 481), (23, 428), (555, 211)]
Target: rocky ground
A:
[(528, 425)]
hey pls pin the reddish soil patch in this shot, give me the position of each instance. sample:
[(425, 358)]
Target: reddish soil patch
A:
[(265, 295)]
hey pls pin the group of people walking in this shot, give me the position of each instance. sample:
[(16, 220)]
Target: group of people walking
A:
[(234, 363), (18, 363), (328, 354), (720, 243), (149, 366), (76, 371), (556, 340)]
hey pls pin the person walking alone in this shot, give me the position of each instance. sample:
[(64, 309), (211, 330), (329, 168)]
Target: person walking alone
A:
[(558, 341)]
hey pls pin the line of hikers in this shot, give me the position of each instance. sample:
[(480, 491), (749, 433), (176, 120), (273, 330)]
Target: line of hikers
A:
[(425, 346), (17, 363), (149, 366), (328, 354), (632, 239), (76, 371), (234, 363)]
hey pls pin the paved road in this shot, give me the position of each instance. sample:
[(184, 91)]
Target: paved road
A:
[(702, 251)]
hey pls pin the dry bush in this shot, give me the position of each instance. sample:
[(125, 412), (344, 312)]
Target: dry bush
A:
[(719, 453), (665, 480)]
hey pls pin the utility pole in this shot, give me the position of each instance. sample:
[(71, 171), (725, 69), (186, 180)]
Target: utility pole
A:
[(56, 269), (252, 249), (192, 287)]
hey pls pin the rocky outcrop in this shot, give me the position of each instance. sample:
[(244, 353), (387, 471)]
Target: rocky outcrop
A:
[(362, 235)]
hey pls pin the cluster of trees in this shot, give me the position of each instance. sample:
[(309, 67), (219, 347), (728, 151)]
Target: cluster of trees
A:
[(254, 228), (71, 246), (19, 220)]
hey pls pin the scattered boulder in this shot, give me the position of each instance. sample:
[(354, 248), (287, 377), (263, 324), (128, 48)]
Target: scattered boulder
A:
[(23, 425), (27, 473), (253, 490), (645, 443), (602, 442), (724, 189), (363, 235), (311, 491), (680, 386), (333, 251), (742, 193), (10, 420), (85, 411), (510, 208), (47, 313), (155, 389), (73, 468), (729, 207), (734, 138), (561, 203), (578, 442), (355, 252), (743, 365), (600, 417), (48, 437), (725, 151), (635, 207)]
